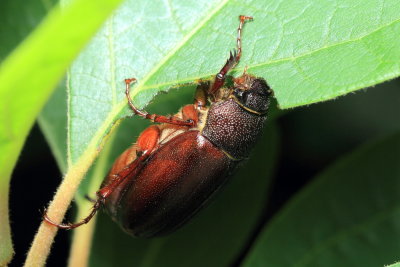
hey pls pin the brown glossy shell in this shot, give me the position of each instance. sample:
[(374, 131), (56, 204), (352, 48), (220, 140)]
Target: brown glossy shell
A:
[(173, 184)]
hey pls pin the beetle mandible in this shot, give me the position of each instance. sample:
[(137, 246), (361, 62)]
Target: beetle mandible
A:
[(173, 169)]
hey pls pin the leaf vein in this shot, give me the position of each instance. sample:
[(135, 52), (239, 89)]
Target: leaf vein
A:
[(323, 48)]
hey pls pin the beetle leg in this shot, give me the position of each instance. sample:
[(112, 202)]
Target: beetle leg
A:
[(103, 193), (232, 60), (146, 143), (68, 226), (155, 117), (220, 77), (190, 112), (239, 35), (131, 170)]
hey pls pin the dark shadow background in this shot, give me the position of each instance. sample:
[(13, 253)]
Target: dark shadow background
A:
[(311, 139)]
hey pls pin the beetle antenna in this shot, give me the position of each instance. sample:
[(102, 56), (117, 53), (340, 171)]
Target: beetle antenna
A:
[(69, 226)]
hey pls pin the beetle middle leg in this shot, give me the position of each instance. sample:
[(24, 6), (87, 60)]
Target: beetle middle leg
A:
[(155, 117)]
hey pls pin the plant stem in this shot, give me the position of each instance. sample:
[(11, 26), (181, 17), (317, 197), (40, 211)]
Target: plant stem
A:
[(43, 240), (83, 236), (82, 240), (6, 251)]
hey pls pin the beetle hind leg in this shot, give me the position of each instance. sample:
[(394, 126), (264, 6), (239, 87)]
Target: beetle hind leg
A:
[(98, 203), (125, 167), (104, 192)]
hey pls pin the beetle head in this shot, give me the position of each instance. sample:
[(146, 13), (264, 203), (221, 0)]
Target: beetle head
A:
[(252, 93)]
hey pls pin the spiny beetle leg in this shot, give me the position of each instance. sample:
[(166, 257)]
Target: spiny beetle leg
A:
[(232, 60)]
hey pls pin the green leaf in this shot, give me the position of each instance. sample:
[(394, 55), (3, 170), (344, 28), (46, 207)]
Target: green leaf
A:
[(53, 122), (14, 29), (397, 264), (27, 78), (302, 49), (309, 51), (18, 18), (347, 217), (226, 224)]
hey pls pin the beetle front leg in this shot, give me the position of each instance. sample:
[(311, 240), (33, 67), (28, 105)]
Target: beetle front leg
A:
[(232, 60), (220, 77), (154, 117)]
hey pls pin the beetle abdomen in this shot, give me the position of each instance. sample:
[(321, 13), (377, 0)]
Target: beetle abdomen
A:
[(172, 186), (232, 128)]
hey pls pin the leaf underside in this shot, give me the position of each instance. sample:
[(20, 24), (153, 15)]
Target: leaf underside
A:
[(348, 217), (308, 51)]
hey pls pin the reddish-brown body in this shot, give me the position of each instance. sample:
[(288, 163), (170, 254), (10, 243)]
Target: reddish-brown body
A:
[(182, 174), (175, 167), (185, 167)]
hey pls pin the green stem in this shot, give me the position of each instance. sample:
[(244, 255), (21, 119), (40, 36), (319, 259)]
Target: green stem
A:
[(41, 245), (83, 236)]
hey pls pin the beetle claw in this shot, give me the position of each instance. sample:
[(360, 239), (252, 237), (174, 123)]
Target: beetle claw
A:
[(68, 226)]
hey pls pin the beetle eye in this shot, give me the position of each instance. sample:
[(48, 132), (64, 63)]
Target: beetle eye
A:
[(244, 96), (241, 96), (256, 97), (238, 93)]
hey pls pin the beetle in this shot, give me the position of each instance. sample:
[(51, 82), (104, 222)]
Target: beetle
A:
[(176, 166)]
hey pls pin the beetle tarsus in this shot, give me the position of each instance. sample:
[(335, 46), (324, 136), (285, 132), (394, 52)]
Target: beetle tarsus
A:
[(68, 226), (130, 80)]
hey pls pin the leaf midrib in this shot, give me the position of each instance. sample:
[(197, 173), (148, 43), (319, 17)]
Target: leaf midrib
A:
[(272, 62), (119, 106), (142, 85)]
